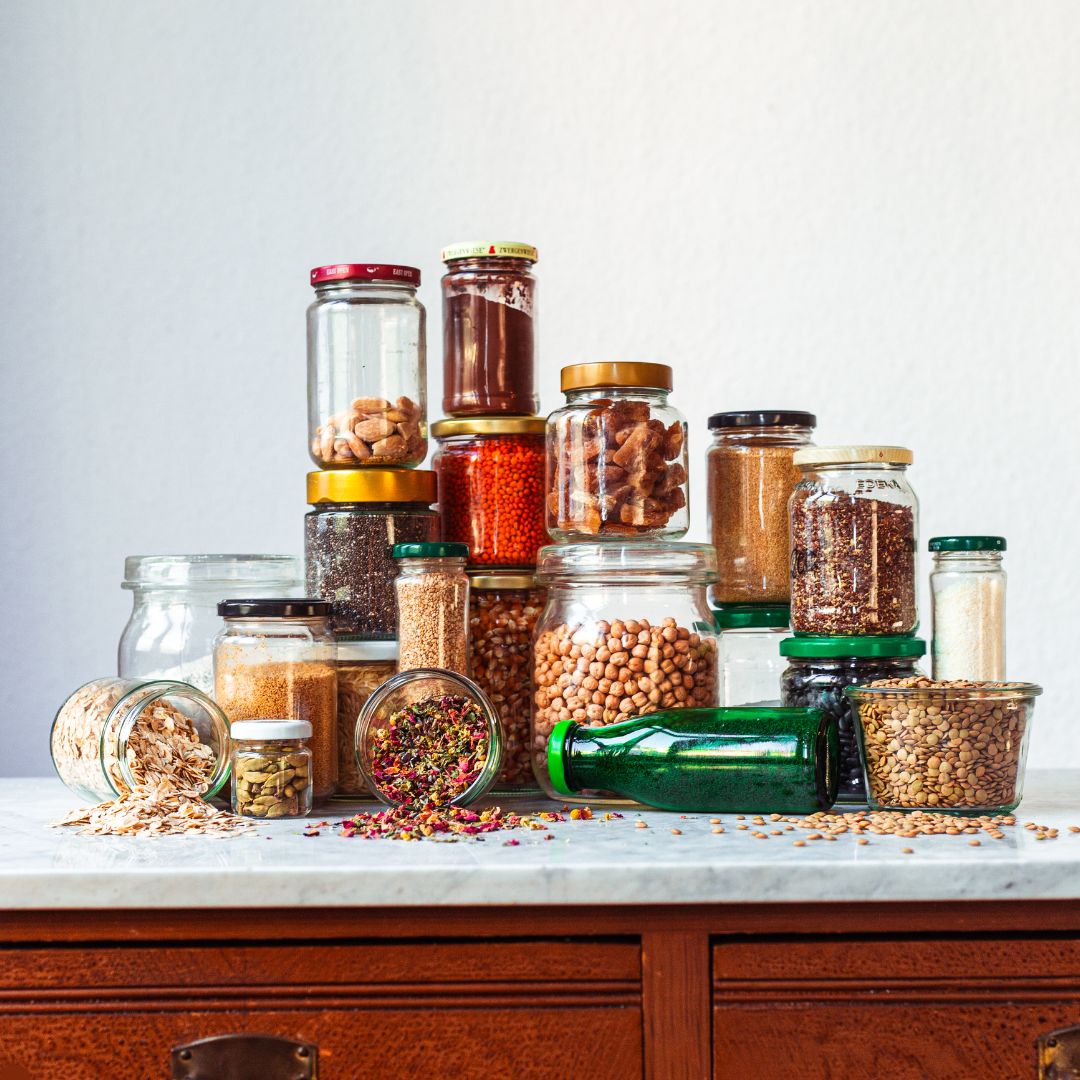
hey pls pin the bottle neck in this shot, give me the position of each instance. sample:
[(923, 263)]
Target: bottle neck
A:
[(967, 560), (491, 263), (369, 290), (773, 435), (652, 394), (431, 565)]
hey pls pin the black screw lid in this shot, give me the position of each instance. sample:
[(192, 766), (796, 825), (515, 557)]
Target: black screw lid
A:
[(281, 607), (762, 418)]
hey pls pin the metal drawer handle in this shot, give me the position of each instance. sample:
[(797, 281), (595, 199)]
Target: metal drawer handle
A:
[(244, 1057)]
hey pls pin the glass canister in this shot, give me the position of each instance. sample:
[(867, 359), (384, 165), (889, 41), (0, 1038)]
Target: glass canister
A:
[(967, 593), (428, 737), (626, 631), (432, 606), (503, 611), (349, 535), (271, 766), (489, 329), (820, 669), (170, 632), (616, 455), (751, 477), (749, 644), (113, 735), (367, 367), (854, 528), (362, 667), (274, 659), (491, 487)]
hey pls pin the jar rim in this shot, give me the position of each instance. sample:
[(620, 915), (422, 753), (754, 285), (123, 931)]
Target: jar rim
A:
[(632, 560), (207, 571)]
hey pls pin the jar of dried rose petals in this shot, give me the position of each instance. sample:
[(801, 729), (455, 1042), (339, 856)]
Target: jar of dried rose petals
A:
[(114, 735)]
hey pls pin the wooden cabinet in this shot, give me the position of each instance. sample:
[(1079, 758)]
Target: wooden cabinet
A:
[(888, 991)]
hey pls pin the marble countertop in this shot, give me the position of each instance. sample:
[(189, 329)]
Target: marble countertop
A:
[(586, 862)]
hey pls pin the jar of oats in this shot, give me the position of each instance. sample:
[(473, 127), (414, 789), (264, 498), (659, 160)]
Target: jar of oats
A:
[(626, 631), (503, 610), (273, 660), (362, 667), (114, 735), (432, 607)]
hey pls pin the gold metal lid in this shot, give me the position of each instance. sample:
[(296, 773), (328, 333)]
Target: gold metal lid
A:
[(489, 425), (372, 486), (852, 455), (491, 249), (615, 373), (505, 579)]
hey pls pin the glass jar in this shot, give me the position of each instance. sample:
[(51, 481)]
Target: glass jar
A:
[(626, 631), (170, 632), (616, 455), (503, 612), (272, 767), (749, 650), (491, 487), (357, 519), (433, 607), (751, 478), (442, 727), (489, 336), (854, 523), (967, 593), (362, 667), (274, 659), (820, 669), (367, 367), (113, 735)]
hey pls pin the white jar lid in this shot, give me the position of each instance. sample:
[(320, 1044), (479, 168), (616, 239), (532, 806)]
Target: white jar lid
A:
[(268, 730)]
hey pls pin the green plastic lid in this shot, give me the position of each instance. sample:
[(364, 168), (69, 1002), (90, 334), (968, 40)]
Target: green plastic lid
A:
[(738, 616), (967, 543), (555, 760), (434, 550), (829, 648)]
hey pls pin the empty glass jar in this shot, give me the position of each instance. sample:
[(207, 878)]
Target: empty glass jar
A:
[(750, 660), (367, 367)]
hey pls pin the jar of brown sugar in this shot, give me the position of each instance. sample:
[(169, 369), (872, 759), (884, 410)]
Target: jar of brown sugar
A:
[(433, 607), (489, 336), (274, 659), (854, 530), (751, 477)]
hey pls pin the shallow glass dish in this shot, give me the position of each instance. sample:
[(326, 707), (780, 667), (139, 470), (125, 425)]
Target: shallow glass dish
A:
[(945, 746)]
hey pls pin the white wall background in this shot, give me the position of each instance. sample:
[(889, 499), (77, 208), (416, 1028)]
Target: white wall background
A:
[(864, 208)]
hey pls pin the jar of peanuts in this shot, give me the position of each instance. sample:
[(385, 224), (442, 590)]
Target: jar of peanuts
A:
[(367, 367), (626, 631), (491, 487), (616, 455), (504, 607)]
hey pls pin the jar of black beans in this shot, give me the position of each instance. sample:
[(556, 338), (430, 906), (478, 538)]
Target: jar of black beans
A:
[(819, 668)]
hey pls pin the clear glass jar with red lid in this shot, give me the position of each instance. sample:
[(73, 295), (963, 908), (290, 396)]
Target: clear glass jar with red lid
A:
[(491, 487), (367, 367), (489, 329)]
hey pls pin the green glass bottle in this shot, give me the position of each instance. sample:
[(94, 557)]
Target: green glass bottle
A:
[(733, 760)]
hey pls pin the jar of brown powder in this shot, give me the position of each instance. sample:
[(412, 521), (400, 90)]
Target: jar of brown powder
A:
[(274, 659), (751, 478)]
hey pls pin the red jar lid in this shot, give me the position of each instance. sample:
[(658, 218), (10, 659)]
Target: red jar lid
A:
[(365, 272)]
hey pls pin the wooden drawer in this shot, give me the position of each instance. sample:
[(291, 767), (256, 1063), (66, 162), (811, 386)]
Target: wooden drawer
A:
[(431, 1009), (890, 1008)]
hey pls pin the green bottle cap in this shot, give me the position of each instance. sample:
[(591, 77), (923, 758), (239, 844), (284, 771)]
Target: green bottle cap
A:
[(555, 760), (743, 616), (830, 648), (432, 550), (967, 543)]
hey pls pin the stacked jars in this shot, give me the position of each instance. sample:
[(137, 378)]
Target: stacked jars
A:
[(367, 431), (751, 475), (626, 630), (490, 465), (854, 525)]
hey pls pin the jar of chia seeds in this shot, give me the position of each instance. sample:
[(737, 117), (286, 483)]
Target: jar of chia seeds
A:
[(491, 487), (626, 631), (821, 668), (367, 367), (349, 536), (750, 660), (854, 530)]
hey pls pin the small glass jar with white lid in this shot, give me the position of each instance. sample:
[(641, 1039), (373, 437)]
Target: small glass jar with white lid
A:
[(750, 660), (967, 591), (367, 367), (272, 768)]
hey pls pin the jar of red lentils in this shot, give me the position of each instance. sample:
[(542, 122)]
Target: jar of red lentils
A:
[(491, 487)]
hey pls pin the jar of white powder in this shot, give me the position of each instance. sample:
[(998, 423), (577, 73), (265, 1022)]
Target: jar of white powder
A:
[(967, 588)]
